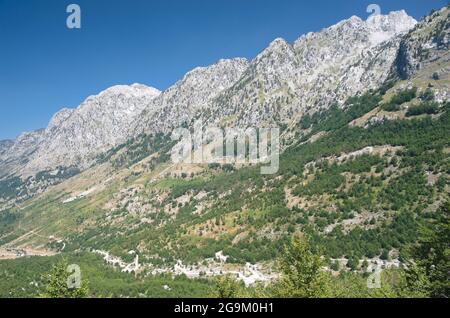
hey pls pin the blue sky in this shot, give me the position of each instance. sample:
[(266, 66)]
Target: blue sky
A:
[(45, 66)]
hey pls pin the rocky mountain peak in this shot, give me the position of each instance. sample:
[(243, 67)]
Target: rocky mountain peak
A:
[(59, 118), (283, 81), (351, 23), (134, 90), (278, 43), (385, 27), (179, 102), (76, 136), (427, 42), (276, 49), (318, 69)]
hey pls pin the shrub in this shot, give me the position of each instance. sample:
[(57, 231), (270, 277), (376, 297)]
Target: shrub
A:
[(427, 96), (399, 99), (423, 108)]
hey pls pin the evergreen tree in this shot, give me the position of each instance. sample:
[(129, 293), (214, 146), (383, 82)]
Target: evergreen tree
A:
[(301, 270), (227, 287), (431, 256), (58, 283)]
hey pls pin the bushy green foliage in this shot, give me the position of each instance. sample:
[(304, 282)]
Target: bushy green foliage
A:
[(400, 98), (58, 285), (385, 87), (301, 274), (427, 95), (29, 277), (62, 173), (404, 96), (227, 287), (335, 117), (323, 183), (429, 270), (9, 187), (139, 148), (305, 122), (428, 108), (7, 219)]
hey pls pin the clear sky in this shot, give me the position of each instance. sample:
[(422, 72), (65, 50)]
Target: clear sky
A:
[(45, 66)]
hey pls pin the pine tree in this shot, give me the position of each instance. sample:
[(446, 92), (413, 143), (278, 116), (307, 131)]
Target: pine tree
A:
[(432, 258), (58, 283), (302, 275), (227, 287)]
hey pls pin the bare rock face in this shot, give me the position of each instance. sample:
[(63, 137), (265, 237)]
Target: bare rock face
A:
[(75, 136), (58, 119), (179, 103), (280, 84), (428, 41), (5, 145), (318, 69), (15, 155)]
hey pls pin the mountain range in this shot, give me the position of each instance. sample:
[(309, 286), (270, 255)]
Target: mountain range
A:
[(283, 81), (363, 108)]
